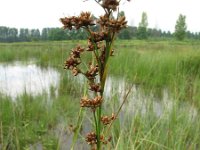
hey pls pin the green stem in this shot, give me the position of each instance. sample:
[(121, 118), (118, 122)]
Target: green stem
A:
[(95, 121), (78, 126), (99, 128)]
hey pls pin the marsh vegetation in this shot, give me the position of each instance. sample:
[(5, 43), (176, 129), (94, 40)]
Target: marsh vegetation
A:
[(161, 112)]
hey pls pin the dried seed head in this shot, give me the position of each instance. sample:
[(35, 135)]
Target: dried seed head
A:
[(75, 71), (77, 51), (95, 87), (107, 120), (110, 4), (90, 74), (103, 54), (74, 60), (117, 25), (91, 46), (98, 36), (111, 24), (105, 140), (93, 103), (67, 22), (71, 62), (84, 20), (91, 138), (103, 20)]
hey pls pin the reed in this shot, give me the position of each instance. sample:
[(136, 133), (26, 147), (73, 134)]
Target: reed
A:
[(100, 44)]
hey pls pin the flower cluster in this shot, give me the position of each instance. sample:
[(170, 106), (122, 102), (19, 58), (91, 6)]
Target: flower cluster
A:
[(92, 72), (107, 120), (98, 36), (114, 25), (74, 60), (96, 87), (104, 140), (92, 103), (84, 20), (91, 138), (110, 4)]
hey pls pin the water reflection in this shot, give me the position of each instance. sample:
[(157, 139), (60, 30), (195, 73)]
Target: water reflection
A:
[(140, 103), (17, 78)]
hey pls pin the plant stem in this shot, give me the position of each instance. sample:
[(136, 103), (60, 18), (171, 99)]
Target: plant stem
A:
[(99, 128), (78, 126)]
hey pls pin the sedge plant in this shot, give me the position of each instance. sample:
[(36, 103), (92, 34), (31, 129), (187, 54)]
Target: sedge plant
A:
[(101, 35)]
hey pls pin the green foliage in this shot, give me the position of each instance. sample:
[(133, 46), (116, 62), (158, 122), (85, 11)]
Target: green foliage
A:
[(56, 34), (180, 28), (142, 32), (35, 34), (127, 33)]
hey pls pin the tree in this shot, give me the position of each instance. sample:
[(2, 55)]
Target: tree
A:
[(8, 34), (142, 32), (35, 34), (45, 33), (24, 34), (180, 28), (12, 35), (127, 33), (56, 34)]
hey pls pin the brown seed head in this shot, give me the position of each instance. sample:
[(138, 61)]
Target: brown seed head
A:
[(107, 120), (117, 25), (91, 46), (103, 20), (90, 74), (95, 87), (91, 138), (84, 20), (71, 62), (77, 51), (93, 103), (68, 22), (110, 4), (75, 71), (98, 36)]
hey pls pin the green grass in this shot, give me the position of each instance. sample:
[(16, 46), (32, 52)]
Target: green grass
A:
[(31, 120), (158, 65), (153, 65)]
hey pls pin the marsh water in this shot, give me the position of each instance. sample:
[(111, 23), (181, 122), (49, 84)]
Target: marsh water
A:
[(17, 78)]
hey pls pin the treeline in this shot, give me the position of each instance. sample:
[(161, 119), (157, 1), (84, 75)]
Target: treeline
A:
[(47, 34), (56, 34)]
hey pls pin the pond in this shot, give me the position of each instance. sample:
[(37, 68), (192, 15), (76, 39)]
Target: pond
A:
[(17, 78)]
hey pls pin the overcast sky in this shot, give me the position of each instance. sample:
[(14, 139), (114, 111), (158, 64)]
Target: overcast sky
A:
[(162, 14)]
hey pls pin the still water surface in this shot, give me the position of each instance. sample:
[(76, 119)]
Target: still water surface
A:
[(17, 78)]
